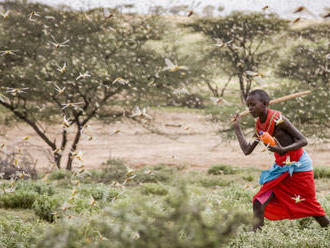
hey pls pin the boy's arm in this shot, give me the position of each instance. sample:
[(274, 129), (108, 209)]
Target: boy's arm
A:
[(298, 137), (247, 148)]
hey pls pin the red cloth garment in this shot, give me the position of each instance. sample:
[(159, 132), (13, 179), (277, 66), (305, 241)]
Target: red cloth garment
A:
[(294, 197), (294, 156), (262, 198), (269, 126)]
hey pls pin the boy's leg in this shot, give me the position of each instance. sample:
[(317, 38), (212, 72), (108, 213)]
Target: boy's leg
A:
[(322, 220), (259, 212)]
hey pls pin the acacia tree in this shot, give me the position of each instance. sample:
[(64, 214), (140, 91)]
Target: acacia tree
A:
[(71, 65), (307, 65), (243, 43)]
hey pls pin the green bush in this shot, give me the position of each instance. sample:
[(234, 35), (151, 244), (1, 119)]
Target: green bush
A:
[(248, 178), (211, 181), (25, 194), (113, 170), (36, 186), (46, 208), (305, 222), (59, 174), (17, 233), (99, 192), (18, 199), (321, 172), (154, 189), (155, 174), (65, 235), (239, 194), (177, 221), (96, 191), (221, 169), (282, 234)]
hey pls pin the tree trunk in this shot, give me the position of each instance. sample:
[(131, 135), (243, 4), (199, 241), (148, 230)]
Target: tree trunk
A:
[(57, 159), (58, 155), (212, 89), (73, 148), (242, 88), (225, 87)]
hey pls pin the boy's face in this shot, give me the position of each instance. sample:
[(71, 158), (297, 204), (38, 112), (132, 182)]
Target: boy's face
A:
[(256, 106)]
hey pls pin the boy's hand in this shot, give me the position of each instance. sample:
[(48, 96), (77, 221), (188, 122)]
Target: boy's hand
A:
[(236, 120), (277, 148)]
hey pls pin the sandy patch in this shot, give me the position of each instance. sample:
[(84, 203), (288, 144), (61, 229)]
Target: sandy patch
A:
[(185, 139)]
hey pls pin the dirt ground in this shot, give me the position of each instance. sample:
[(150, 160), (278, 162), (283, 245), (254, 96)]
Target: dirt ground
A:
[(183, 139)]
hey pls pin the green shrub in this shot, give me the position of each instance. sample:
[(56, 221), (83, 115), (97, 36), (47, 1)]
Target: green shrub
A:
[(154, 188), (18, 199), (96, 191), (16, 233), (212, 181), (321, 172), (37, 186), (67, 235), (26, 192), (248, 178), (177, 221), (113, 170), (59, 174), (112, 193), (155, 174), (221, 169), (46, 208), (237, 193), (305, 222), (282, 234), (99, 192)]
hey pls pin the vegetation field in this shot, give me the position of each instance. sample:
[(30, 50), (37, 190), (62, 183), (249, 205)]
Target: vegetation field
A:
[(115, 126), (156, 206)]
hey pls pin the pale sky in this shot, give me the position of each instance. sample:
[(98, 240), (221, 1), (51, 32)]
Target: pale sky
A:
[(284, 8)]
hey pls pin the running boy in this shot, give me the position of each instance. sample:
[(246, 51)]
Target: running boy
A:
[(288, 190)]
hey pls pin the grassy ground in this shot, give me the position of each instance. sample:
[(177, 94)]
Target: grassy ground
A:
[(157, 206)]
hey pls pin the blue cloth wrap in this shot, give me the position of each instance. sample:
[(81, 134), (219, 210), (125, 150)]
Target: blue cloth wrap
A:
[(304, 164)]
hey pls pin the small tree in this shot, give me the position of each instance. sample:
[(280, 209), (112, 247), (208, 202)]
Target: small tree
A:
[(243, 43)]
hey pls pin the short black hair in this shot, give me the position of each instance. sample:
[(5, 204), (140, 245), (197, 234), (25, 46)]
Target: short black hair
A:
[(263, 96)]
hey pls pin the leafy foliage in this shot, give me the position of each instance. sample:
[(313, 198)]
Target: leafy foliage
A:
[(308, 66), (189, 214), (18, 199), (15, 232), (144, 225), (221, 169), (154, 188), (314, 33), (59, 174), (243, 43), (46, 208), (70, 65), (321, 172)]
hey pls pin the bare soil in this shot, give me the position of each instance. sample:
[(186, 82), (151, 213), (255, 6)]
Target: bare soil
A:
[(178, 138)]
